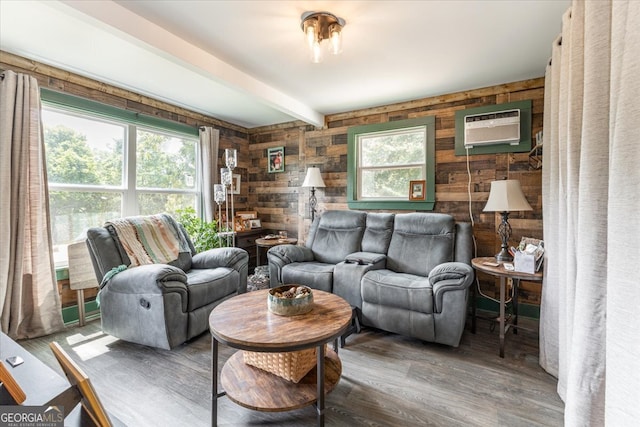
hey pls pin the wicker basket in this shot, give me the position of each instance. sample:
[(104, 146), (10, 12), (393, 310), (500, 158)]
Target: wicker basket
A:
[(291, 366)]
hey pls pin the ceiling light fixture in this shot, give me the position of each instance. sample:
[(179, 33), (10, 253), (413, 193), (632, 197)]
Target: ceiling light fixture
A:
[(319, 26)]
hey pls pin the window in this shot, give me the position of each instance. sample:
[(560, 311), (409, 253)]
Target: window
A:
[(384, 158), (102, 166)]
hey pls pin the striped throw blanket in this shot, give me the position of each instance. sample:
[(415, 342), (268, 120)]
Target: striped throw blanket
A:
[(152, 239)]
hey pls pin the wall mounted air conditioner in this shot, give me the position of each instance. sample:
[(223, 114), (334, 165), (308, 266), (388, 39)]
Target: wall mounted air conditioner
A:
[(499, 127)]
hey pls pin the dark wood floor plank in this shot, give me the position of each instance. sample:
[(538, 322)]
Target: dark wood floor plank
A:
[(388, 380)]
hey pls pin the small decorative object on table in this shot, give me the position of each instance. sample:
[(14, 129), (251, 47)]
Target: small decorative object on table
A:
[(290, 300), (529, 255)]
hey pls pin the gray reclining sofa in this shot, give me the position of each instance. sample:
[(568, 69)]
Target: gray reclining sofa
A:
[(404, 273), (163, 305)]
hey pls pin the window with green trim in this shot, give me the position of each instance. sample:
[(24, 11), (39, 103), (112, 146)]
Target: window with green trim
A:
[(102, 166), (382, 160)]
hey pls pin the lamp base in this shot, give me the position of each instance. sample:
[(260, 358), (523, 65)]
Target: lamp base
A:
[(504, 256)]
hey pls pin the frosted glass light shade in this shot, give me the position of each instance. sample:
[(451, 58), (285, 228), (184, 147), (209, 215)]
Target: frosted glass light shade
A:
[(231, 157), (335, 36), (225, 176), (219, 195)]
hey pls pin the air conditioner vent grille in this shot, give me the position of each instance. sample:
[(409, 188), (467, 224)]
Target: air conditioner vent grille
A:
[(499, 127)]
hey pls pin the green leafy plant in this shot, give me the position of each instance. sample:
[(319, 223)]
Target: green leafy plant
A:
[(204, 234)]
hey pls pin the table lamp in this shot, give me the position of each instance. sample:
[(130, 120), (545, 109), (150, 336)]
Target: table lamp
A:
[(506, 196), (313, 180)]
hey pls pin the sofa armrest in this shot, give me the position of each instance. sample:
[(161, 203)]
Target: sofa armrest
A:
[(281, 255), (290, 253), (235, 258), (449, 276), (366, 258)]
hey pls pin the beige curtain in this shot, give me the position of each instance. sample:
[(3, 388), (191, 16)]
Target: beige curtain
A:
[(29, 297), (589, 335), (209, 142)]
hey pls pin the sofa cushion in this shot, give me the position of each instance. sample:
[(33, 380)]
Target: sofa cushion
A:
[(209, 285), (339, 233), (316, 275), (420, 242), (377, 235), (400, 290)]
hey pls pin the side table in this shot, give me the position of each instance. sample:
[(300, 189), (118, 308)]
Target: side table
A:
[(268, 243), (483, 264)]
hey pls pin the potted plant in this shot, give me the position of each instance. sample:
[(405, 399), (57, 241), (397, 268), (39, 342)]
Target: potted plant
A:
[(204, 234)]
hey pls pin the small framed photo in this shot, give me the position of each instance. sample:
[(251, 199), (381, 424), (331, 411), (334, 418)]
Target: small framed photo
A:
[(247, 214), (417, 190), (255, 223), (275, 157)]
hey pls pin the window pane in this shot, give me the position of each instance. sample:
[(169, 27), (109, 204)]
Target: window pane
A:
[(154, 203), (164, 161), (81, 150), (388, 183), (394, 148), (73, 212)]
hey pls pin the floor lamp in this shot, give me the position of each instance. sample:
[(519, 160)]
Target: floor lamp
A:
[(219, 195), (231, 160), (313, 180), (226, 178), (506, 196)]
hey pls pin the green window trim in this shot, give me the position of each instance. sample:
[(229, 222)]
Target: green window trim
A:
[(430, 196), (82, 105)]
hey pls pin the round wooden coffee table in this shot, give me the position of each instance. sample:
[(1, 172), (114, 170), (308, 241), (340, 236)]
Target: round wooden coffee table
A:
[(245, 323)]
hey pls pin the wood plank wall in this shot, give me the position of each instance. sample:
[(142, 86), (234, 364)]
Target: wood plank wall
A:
[(283, 204)]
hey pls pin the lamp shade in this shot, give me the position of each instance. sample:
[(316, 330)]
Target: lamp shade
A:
[(506, 196), (313, 178)]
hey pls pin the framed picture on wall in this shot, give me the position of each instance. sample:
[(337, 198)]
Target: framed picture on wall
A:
[(417, 190), (236, 184), (275, 158)]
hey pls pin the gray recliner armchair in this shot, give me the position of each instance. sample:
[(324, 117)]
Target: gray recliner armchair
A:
[(162, 305)]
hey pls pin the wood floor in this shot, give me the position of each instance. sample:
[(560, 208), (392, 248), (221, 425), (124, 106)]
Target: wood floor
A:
[(388, 380)]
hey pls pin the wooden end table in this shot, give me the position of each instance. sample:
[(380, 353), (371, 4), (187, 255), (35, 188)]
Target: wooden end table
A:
[(483, 264), (244, 322), (269, 243)]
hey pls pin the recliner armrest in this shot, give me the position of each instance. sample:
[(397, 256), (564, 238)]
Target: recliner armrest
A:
[(157, 279), (449, 276), (234, 258)]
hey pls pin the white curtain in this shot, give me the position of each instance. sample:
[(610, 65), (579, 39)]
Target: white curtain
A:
[(29, 299), (209, 142), (589, 335)]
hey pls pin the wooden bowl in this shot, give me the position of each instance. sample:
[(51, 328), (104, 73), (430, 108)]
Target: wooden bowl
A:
[(290, 306)]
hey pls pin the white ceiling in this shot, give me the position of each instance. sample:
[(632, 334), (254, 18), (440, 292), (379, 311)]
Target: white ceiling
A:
[(246, 62)]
